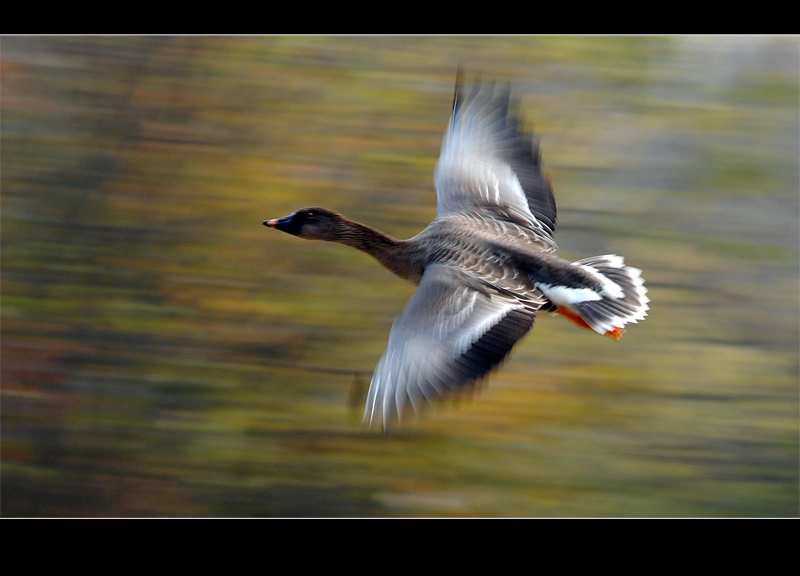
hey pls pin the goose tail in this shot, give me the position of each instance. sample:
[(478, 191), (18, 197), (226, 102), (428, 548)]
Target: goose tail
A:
[(622, 298)]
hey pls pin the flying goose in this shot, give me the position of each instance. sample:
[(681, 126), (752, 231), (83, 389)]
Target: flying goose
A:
[(483, 267)]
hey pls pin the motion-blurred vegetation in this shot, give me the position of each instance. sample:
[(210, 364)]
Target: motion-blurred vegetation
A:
[(164, 354)]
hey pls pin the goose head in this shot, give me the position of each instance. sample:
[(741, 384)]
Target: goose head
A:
[(313, 223)]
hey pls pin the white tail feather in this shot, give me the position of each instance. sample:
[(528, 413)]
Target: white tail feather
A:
[(620, 300)]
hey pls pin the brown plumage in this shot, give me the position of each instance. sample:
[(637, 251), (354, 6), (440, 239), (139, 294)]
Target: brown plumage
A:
[(483, 267)]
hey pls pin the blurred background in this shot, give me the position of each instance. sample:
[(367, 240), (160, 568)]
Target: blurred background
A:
[(164, 354)]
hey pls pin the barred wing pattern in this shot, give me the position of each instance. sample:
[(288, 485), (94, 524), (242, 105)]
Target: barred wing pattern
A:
[(454, 330), (466, 315), (486, 161)]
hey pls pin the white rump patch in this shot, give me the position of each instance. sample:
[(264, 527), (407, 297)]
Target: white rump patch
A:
[(564, 296)]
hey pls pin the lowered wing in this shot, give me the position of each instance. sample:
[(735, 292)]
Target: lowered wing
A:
[(453, 331)]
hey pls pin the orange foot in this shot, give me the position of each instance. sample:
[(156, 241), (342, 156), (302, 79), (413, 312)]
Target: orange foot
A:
[(616, 333)]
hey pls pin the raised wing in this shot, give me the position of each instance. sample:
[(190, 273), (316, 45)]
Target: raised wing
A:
[(453, 331), (486, 162)]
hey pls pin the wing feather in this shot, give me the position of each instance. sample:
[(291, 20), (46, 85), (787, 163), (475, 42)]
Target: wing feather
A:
[(448, 335), (486, 161)]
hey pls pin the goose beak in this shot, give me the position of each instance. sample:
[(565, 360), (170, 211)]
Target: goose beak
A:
[(283, 224)]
